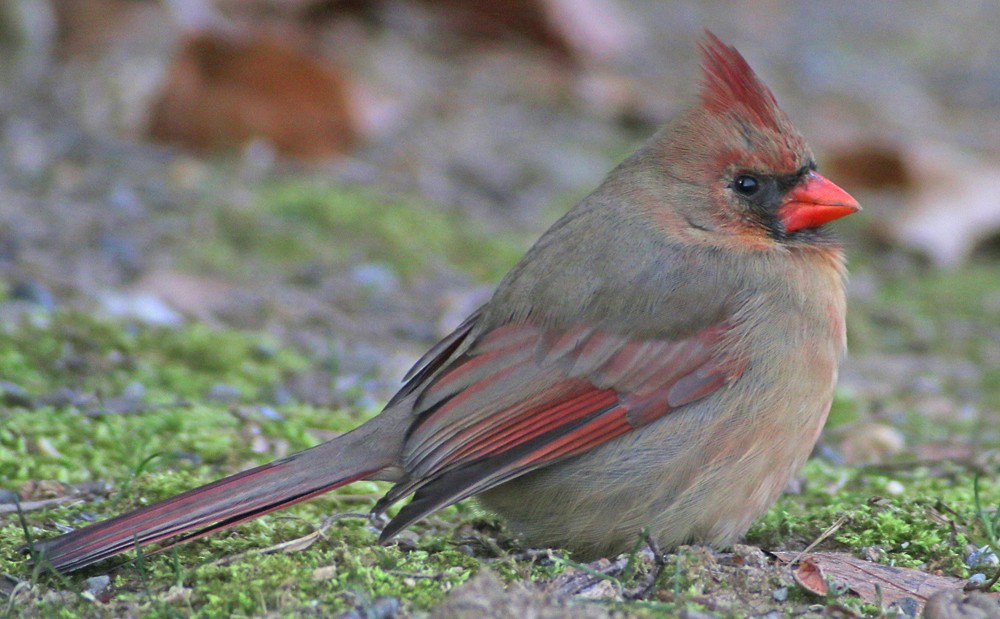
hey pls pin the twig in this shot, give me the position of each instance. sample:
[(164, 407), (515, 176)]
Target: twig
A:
[(829, 531), (292, 545), (9, 508)]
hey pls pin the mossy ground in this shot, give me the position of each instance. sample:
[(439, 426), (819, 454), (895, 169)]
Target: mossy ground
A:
[(71, 368)]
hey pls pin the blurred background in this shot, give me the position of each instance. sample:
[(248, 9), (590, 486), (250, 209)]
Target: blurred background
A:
[(352, 176)]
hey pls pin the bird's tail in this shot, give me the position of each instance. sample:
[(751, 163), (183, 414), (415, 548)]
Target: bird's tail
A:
[(222, 503)]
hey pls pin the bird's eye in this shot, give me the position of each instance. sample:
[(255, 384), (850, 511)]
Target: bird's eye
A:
[(746, 185)]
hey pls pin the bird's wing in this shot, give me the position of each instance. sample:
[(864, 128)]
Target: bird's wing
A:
[(521, 397)]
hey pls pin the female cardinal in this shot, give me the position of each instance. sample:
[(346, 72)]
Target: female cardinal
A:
[(663, 358)]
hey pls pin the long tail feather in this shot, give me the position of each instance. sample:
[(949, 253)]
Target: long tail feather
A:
[(218, 505)]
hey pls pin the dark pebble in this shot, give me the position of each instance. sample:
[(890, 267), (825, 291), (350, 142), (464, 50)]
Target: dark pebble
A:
[(65, 397), (186, 456), (123, 253), (118, 406), (269, 413), (908, 607), (221, 392), (96, 585), (15, 395), (33, 292), (278, 395), (383, 608)]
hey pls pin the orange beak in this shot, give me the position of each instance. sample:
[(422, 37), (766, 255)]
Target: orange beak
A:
[(815, 202)]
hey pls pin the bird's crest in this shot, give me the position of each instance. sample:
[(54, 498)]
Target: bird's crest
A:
[(730, 85)]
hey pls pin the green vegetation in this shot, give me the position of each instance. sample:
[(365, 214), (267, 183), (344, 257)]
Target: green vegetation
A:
[(308, 224)]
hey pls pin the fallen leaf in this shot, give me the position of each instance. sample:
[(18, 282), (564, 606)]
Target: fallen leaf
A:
[(932, 198), (810, 577), (873, 582), (226, 89)]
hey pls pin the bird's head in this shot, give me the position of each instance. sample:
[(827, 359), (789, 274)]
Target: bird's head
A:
[(745, 175)]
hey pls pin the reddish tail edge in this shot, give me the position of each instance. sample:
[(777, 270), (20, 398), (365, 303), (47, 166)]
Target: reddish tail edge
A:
[(216, 506)]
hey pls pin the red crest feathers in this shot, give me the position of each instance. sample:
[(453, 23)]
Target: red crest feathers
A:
[(729, 84)]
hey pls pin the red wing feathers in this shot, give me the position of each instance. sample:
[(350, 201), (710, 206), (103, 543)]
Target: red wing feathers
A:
[(522, 397)]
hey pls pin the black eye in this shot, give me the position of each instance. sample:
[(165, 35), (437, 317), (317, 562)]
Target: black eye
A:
[(746, 185)]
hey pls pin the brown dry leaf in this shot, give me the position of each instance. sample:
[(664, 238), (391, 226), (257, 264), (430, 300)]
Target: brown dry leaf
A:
[(226, 89), (866, 578), (948, 201), (809, 575)]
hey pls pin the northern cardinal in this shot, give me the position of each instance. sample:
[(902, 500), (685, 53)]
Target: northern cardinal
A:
[(663, 358)]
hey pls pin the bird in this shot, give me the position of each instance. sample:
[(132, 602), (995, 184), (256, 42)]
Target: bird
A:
[(662, 359)]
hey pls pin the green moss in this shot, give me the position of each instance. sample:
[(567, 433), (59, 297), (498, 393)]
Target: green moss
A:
[(83, 354), (309, 223), (903, 529)]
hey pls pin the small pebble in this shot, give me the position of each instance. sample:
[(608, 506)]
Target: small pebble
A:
[(780, 594), (907, 607), (383, 608), (65, 396), (279, 395), (982, 556), (122, 252), (221, 392), (46, 448), (134, 390), (33, 292), (377, 278), (15, 395), (96, 585), (147, 308), (977, 579), (269, 413), (750, 556)]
